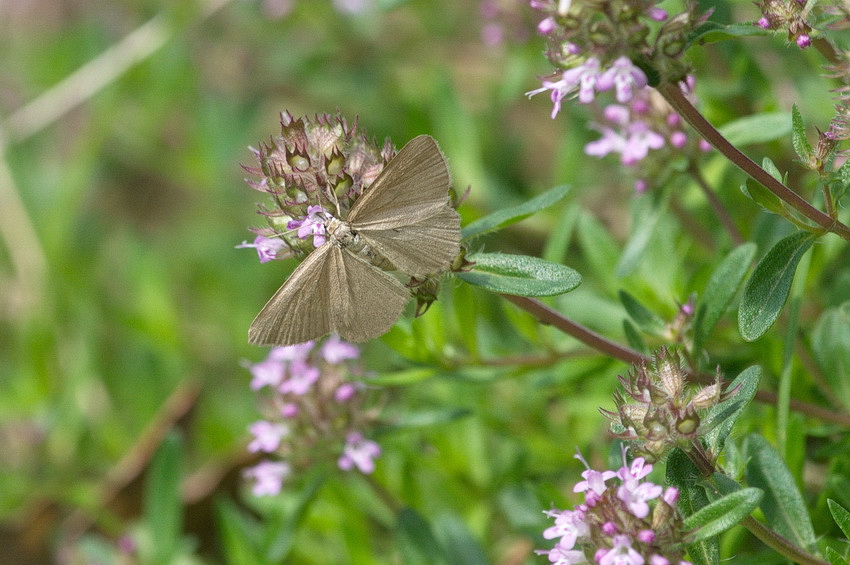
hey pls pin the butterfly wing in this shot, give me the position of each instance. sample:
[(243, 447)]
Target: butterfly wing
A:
[(300, 310), (332, 290), (366, 301), (405, 214)]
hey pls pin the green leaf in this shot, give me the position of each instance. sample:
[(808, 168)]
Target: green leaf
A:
[(763, 197), (239, 534), (712, 32), (520, 275), (798, 136), (647, 210), (834, 557), (633, 337), (723, 284), (460, 546), (507, 216), (840, 515), (757, 128), (831, 348), (684, 475), (641, 315), (721, 418), (723, 513), (768, 287), (416, 540), (783, 505), (163, 509)]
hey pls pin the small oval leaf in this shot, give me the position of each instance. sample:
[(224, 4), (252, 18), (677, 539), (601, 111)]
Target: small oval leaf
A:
[(768, 287), (723, 513), (520, 275), (757, 128), (723, 285)]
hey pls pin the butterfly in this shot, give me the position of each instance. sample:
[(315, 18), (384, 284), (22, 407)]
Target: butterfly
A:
[(403, 220)]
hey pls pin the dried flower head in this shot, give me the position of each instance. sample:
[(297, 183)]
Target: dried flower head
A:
[(657, 409), (313, 167)]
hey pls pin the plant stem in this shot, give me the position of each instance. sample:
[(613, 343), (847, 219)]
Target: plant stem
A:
[(548, 316), (676, 98)]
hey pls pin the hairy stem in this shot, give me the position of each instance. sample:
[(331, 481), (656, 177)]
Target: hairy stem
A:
[(676, 98), (548, 316)]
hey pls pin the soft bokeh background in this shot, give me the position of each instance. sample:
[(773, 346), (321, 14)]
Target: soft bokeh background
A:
[(124, 306)]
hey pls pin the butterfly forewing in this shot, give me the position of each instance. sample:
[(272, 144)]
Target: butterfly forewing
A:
[(301, 309), (366, 301), (405, 214)]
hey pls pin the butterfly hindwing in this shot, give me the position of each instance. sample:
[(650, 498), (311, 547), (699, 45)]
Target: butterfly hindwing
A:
[(299, 310), (366, 301)]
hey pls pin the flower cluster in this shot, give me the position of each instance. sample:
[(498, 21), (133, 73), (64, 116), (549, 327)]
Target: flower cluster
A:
[(788, 15), (643, 126), (620, 44), (313, 169), (313, 410), (624, 520), (663, 413)]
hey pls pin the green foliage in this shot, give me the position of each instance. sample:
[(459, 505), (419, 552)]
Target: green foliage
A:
[(783, 505), (520, 275), (722, 514), (124, 306), (768, 287)]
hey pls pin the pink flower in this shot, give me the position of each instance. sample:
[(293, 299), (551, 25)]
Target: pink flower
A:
[(267, 248), (359, 452), (583, 78), (311, 224), (622, 553), (624, 77), (267, 436), (268, 477), (335, 350), (562, 556), (268, 372), (302, 375), (569, 527)]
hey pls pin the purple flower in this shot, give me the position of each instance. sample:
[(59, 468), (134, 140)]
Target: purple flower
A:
[(622, 553), (267, 248), (635, 494), (268, 372), (559, 555), (302, 375), (345, 392), (803, 41), (624, 77), (583, 78), (639, 140), (297, 352), (546, 26), (268, 477), (335, 350), (569, 527), (267, 436), (593, 484), (359, 452), (311, 224)]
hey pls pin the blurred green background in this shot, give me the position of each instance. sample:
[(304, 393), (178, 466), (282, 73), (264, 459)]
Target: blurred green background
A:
[(124, 306)]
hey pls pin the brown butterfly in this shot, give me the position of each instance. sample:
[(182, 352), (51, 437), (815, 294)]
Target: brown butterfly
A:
[(403, 218)]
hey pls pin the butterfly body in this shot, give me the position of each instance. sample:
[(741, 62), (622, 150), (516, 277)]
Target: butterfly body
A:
[(402, 221)]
